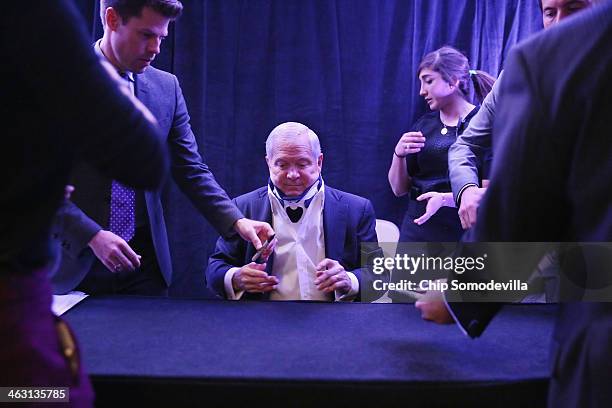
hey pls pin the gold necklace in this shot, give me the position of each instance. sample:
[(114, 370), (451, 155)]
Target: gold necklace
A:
[(444, 129)]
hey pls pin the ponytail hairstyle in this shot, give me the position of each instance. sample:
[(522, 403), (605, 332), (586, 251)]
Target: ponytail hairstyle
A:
[(482, 83), (454, 67)]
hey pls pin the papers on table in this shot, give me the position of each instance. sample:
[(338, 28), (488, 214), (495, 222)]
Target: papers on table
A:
[(62, 303)]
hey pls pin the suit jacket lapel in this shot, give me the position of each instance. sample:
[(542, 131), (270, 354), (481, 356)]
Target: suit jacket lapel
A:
[(148, 93), (141, 88), (263, 210), (335, 215)]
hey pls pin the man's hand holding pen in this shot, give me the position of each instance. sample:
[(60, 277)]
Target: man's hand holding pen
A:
[(253, 277)]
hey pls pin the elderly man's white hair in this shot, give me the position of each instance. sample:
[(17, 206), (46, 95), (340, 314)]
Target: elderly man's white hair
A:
[(287, 132)]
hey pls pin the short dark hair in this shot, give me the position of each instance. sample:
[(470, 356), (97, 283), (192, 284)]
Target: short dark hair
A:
[(127, 9)]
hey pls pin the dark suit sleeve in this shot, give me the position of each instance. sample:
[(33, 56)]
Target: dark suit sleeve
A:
[(229, 252), (527, 196), (193, 176), (74, 228), (86, 106), (366, 233), (524, 201)]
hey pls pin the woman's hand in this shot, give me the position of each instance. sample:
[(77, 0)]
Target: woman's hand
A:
[(433, 308), (435, 200), (409, 143)]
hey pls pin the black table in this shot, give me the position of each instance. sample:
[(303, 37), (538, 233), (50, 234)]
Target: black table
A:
[(166, 352)]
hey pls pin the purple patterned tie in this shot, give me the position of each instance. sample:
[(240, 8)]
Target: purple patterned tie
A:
[(122, 213), (123, 199)]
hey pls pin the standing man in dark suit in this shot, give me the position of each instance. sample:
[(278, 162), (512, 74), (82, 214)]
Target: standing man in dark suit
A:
[(319, 230), (115, 239), (62, 105), (551, 182), (470, 156)]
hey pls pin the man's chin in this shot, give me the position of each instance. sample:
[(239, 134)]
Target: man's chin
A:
[(140, 67), (293, 192)]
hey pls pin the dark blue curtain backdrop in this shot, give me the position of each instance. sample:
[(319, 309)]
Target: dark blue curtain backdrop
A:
[(345, 68)]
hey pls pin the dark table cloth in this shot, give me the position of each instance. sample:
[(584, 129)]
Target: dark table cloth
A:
[(199, 352)]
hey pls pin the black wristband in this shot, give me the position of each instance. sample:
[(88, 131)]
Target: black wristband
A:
[(401, 157), (458, 200)]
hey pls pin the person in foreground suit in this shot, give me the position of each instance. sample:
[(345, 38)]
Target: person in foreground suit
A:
[(469, 157), (318, 230), (115, 239), (552, 131), (62, 105)]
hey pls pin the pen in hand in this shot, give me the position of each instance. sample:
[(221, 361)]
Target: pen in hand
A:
[(258, 255)]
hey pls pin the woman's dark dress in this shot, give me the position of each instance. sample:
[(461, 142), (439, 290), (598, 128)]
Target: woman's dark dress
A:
[(428, 170)]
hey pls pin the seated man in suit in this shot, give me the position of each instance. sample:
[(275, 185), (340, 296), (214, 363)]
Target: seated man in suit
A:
[(318, 230)]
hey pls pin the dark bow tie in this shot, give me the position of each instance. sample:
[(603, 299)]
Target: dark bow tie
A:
[(294, 213)]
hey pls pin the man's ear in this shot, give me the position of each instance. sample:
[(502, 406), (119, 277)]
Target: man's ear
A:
[(320, 162), (112, 18)]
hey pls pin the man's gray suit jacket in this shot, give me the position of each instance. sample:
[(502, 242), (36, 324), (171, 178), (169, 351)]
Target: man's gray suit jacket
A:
[(466, 157)]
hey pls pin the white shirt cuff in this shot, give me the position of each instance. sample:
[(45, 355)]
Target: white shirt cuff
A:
[(229, 289), (450, 310), (352, 294)]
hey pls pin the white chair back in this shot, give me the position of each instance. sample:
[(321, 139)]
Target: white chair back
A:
[(388, 234)]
